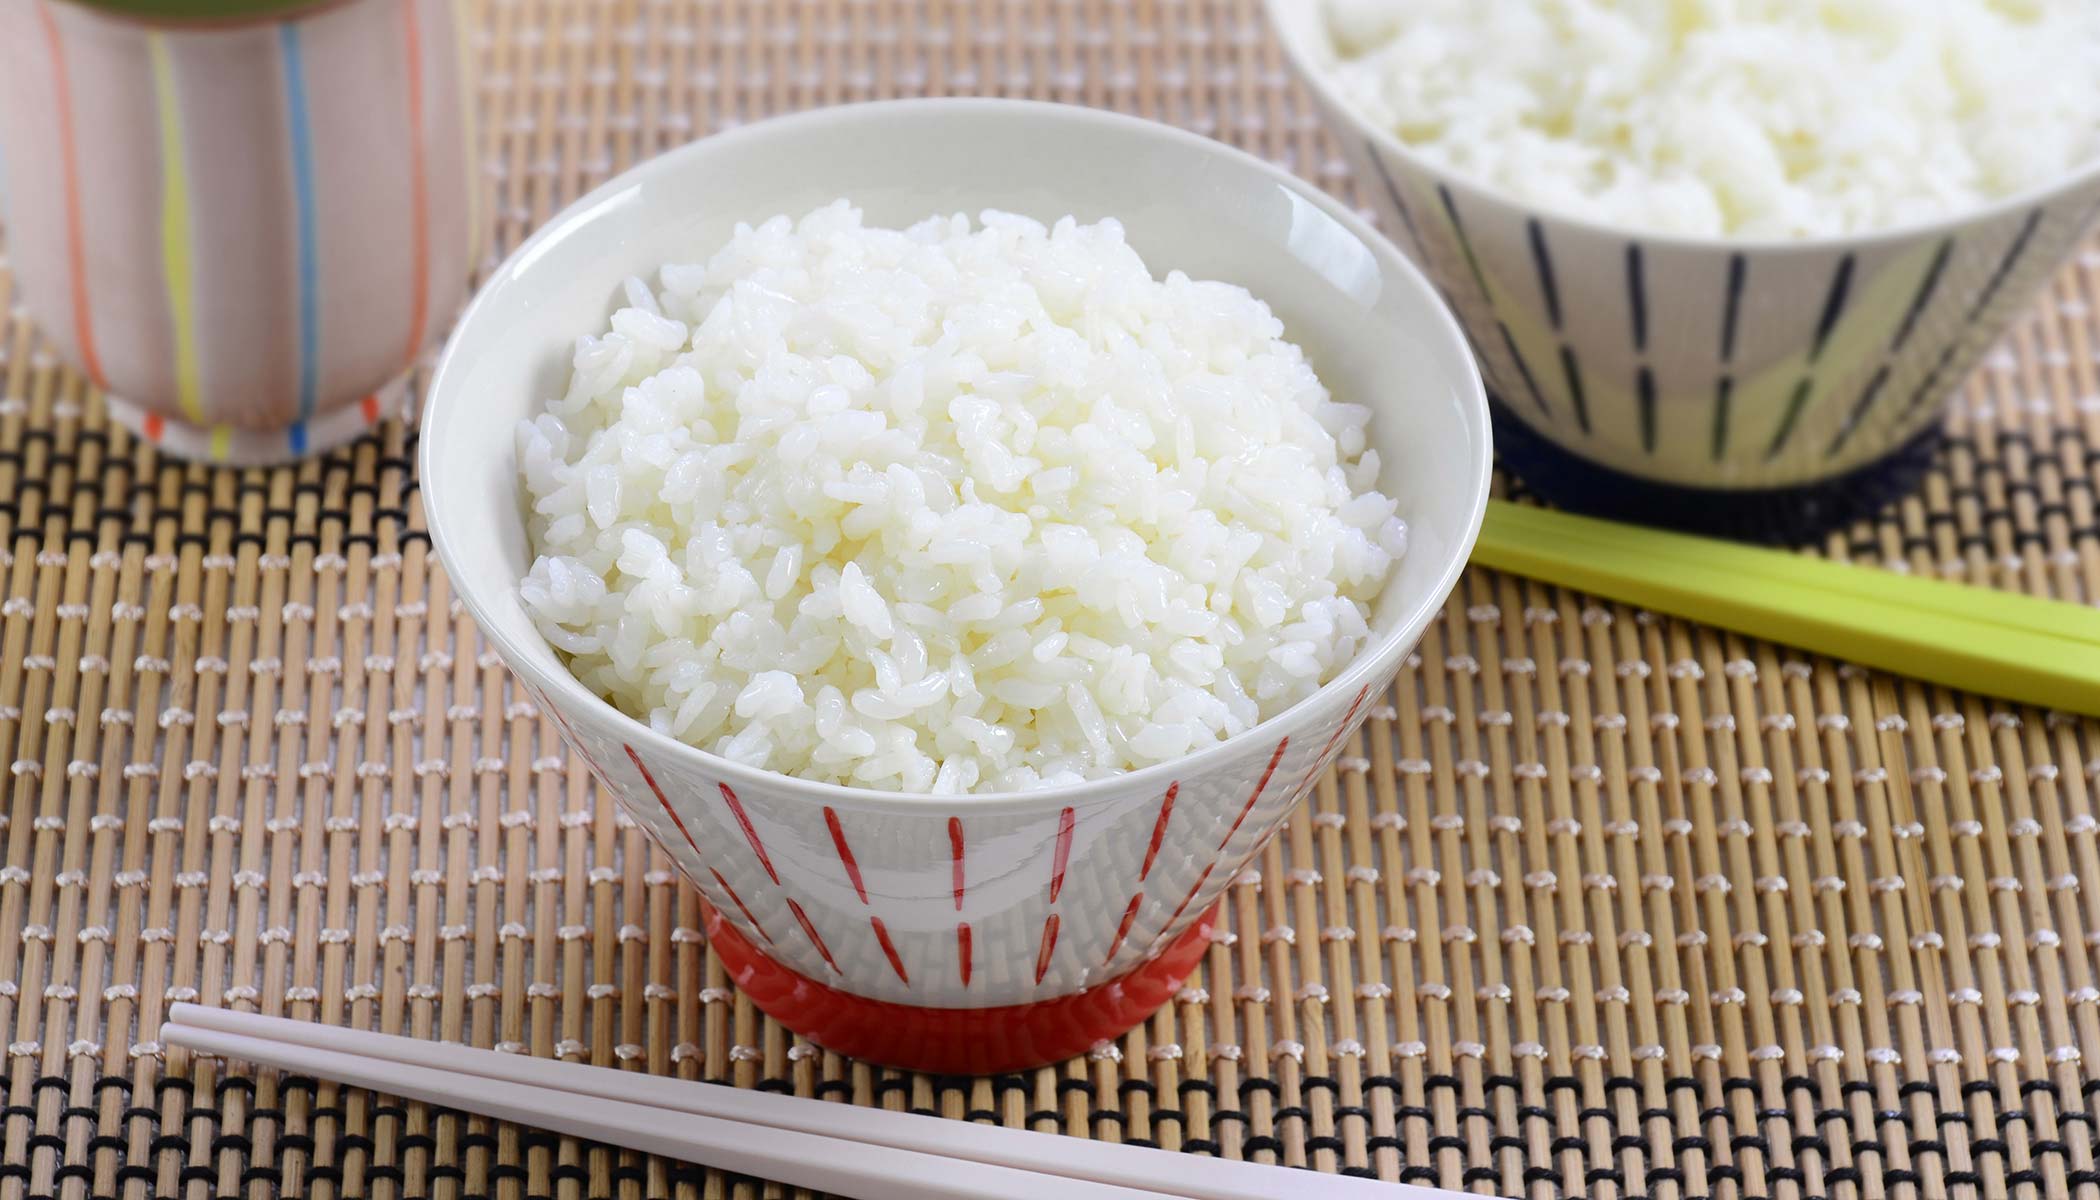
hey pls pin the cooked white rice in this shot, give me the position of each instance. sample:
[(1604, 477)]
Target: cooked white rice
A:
[(951, 508), (1758, 118)]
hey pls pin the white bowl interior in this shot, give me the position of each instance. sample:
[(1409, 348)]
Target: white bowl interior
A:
[(1372, 326)]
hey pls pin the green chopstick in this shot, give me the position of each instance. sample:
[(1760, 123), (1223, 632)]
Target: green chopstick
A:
[(2017, 610), (2035, 651)]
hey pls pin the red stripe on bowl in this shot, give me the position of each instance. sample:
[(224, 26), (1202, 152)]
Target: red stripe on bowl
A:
[(1063, 854), (1313, 768), (1259, 788), (883, 936), (1159, 829), (838, 839), (1042, 954), (736, 809), (1179, 908), (802, 919), (649, 779), (1123, 928), (740, 905)]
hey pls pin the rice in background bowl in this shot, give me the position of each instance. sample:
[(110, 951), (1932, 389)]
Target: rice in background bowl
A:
[(1750, 118), (1768, 387)]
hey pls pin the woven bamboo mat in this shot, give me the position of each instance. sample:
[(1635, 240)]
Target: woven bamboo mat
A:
[(1598, 903)]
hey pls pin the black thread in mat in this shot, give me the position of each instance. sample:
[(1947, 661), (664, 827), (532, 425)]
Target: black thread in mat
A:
[(1149, 1088), (1065, 1087), (1386, 1082)]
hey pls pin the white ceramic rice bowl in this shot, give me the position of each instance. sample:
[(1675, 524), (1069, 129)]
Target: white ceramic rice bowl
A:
[(976, 932)]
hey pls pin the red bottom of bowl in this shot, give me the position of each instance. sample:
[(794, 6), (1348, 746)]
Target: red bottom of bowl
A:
[(956, 1041)]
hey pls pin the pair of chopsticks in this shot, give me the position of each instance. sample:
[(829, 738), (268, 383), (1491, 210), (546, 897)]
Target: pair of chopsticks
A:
[(2024, 648), (844, 1149)]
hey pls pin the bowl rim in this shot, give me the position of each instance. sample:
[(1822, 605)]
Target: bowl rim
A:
[(1371, 661), (1317, 80)]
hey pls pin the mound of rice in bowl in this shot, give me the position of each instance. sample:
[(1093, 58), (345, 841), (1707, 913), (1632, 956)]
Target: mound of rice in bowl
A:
[(960, 507), (1736, 118)]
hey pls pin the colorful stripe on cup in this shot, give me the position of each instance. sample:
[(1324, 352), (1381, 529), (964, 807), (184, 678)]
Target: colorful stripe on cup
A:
[(419, 188), (69, 178), (177, 262), (297, 129)]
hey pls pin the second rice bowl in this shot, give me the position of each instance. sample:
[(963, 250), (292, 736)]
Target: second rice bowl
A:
[(1762, 387)]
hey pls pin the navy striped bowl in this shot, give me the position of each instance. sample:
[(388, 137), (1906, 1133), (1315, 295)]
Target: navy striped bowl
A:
[(1769, 389)]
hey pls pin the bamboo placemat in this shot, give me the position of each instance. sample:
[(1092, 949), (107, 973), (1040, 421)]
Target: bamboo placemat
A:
[(1597, 904)]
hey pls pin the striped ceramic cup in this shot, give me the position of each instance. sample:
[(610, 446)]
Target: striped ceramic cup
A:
[(245, 230)]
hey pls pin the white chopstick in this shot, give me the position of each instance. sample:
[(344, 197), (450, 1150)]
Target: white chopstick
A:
[(807, 1160), (1074, 1162)]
